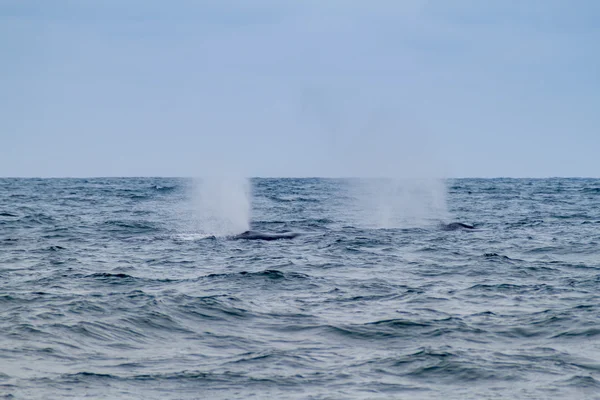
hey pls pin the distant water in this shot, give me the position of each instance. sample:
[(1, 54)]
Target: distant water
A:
[(110, 289)]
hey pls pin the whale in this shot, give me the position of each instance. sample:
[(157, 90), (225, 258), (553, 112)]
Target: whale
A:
[(454, 226), (255, 235)]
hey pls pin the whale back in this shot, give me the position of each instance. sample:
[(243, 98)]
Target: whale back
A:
[(255, 235), (456, 226)]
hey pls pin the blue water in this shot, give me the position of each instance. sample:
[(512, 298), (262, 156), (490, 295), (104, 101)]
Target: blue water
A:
[(112, 288)]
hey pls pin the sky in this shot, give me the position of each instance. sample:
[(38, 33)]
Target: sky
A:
[(461, 88)]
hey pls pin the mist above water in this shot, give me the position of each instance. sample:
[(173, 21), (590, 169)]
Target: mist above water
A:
[(219, 206), (381, 141), (394, 162), (398, 202)]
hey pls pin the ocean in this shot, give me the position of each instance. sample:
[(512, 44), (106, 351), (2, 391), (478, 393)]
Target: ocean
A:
[(134, 288)]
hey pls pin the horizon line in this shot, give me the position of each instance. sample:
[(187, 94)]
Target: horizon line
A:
[(294, 177)]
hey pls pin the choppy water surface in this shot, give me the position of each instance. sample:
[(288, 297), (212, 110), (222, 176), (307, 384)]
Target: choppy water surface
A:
[(110, 289)]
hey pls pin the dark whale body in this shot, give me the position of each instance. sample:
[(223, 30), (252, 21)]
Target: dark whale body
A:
[(456, 226), (254, 235)]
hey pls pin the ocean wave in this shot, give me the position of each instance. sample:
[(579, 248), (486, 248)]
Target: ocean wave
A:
[(108, 289)]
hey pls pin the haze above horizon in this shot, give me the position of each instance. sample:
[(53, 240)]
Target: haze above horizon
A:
[(297, 89)]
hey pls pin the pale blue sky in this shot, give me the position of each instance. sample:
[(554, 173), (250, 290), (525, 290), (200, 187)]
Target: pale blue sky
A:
[(300, 88)]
